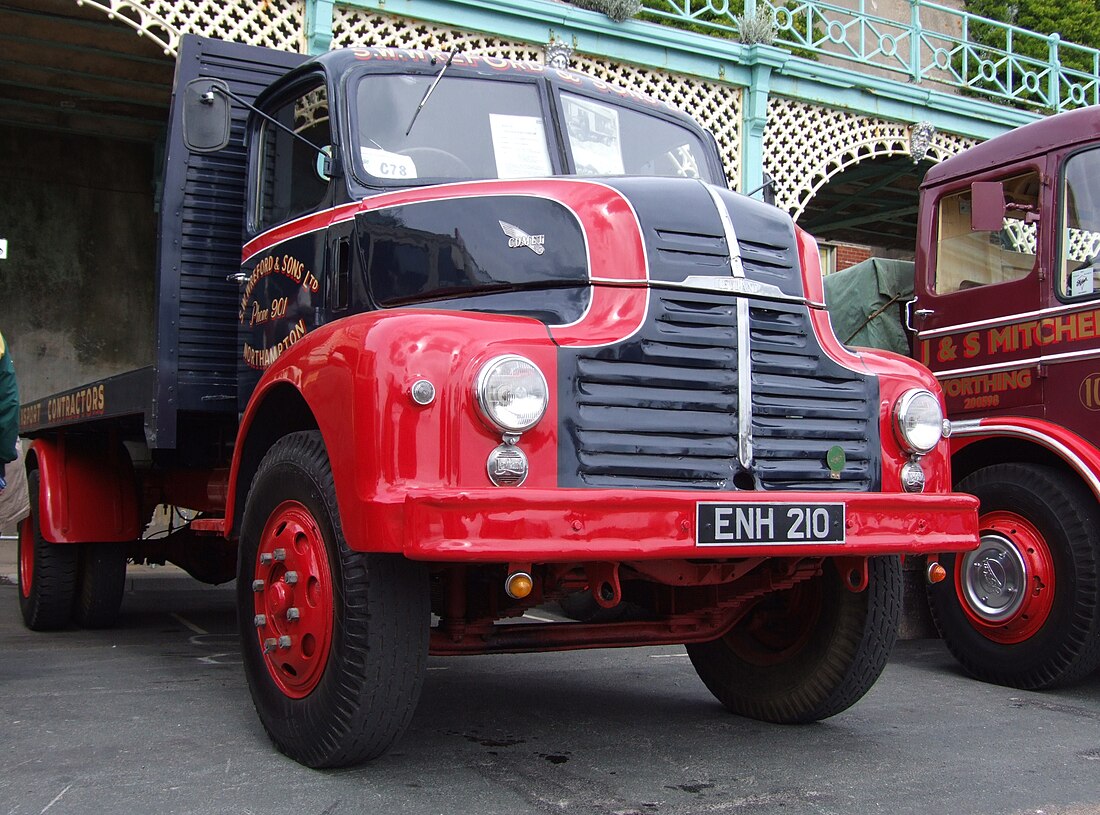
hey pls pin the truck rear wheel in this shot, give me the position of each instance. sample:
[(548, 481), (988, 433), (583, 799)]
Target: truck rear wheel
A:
[(808, 652), (47, 571), (1023, 609), (335, 642), (101, 582)]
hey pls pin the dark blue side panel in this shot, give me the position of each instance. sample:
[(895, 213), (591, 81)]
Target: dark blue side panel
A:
[(200, 244)]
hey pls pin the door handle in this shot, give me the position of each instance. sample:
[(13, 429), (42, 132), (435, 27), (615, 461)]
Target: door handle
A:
[(237, 277)]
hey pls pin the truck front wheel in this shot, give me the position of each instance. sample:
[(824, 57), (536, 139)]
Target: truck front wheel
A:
[(47, 571), (335, 641), (808, 652), (1023, 609)]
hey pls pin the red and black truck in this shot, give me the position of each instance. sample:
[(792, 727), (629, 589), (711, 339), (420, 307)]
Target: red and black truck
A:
[(1007, 315), (496, 334)]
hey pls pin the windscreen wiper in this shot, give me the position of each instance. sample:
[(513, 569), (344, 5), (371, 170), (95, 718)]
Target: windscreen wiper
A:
[(431, 88)]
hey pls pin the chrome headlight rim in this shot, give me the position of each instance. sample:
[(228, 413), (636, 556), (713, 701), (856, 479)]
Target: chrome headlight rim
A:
[(912, 439), (481, 386)]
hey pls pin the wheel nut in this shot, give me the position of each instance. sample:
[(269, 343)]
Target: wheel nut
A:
[(260, 620), (257, 585), (269, 644), (280, 555), (265, 558), (284, 642), (293, 613), (291, 578)]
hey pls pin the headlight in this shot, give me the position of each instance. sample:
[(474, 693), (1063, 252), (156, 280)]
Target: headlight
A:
[(512, 393), (918, 420)]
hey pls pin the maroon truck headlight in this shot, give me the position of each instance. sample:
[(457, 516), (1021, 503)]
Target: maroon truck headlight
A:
[(511, 393)]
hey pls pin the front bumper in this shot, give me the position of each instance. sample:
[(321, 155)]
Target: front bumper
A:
[(542, 526)]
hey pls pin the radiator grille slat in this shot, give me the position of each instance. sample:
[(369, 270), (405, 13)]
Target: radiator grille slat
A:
[(660, 409)]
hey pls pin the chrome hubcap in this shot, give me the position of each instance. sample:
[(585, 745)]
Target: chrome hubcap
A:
[(994, 578)]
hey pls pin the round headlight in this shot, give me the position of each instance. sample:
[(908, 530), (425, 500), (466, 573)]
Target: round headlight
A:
[(512, 393), (918, 420)]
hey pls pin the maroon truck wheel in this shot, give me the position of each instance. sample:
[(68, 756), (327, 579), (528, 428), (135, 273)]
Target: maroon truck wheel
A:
[(1023, 609), (335, 642)]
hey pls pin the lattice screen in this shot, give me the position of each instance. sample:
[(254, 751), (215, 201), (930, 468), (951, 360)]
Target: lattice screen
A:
[(271, 23), (806, 145), (715, 106)]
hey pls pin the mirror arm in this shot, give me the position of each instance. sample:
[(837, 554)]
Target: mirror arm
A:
[(245, 103)]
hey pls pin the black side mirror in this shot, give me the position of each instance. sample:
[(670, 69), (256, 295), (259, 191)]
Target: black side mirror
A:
[(206, 115), (987, 206)]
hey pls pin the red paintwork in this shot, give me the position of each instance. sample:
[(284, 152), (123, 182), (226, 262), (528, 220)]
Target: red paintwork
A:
[(300, 580), (896, 375), (26, 555), (546, 526), (355, 376), (1076, 451), (86, 493), (412, 479), (1039, 596)]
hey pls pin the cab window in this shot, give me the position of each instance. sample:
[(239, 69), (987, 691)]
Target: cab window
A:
[(1080, 233), (292, 178), (967, 259)]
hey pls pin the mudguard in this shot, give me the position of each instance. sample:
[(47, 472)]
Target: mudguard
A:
[(87, 490)]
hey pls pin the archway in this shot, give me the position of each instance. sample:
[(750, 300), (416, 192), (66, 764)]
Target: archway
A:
[(872, 203), (83, 109)]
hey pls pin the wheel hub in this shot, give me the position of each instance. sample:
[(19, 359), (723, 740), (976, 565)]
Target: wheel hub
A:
[(994, 578), (293, 599), (1006, 586)]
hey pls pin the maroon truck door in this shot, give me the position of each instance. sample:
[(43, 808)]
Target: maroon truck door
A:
[(1071, 328), (978, 293)]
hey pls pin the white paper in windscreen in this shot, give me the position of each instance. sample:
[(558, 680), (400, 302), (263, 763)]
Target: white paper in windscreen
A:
[(519, 145)]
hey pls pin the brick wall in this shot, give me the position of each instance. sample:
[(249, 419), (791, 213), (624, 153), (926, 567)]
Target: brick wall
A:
[(849, 254)]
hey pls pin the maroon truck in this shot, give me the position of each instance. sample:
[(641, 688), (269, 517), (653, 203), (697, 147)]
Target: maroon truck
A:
[(1007, 315)]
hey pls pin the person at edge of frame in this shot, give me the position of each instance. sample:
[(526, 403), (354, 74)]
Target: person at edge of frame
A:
[(9, 411)]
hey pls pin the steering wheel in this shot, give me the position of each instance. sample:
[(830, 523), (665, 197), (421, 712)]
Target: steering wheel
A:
[(434, 162)]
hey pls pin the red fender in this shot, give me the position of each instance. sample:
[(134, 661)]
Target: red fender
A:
[(1081, 456), (87, 490)]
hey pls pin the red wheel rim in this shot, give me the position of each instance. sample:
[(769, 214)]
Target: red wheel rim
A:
[(1006, 586), (26, 556), (293, 599)]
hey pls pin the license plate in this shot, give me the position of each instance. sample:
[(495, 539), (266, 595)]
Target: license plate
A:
[(718, 524)]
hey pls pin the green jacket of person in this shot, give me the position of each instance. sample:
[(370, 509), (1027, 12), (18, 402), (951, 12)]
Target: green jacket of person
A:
[(9, 406)]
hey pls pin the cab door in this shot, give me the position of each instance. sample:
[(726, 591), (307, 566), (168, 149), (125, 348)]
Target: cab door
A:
[(1071, 354), (281, 294), (979, 293)]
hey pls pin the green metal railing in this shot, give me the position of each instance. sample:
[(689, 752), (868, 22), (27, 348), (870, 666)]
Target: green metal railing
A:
[(936, 44)]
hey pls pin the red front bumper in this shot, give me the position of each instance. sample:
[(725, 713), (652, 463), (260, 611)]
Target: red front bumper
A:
[(543, 526)]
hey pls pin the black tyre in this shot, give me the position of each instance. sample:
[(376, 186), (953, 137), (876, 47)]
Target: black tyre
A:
[(101, 582), (335, 642), (806, 653), (1024, 608), (47, 571)]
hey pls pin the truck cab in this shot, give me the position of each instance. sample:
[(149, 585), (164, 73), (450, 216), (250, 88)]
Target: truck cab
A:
[(1007, 285), (494, 335)]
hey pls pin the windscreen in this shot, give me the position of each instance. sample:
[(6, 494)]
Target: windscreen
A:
[(610, 139), (466, 128)]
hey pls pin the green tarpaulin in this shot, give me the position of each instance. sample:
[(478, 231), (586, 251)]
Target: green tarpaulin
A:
[(866, 303)]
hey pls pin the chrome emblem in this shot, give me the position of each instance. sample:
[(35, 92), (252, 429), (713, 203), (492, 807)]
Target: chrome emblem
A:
[(517, 237)]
